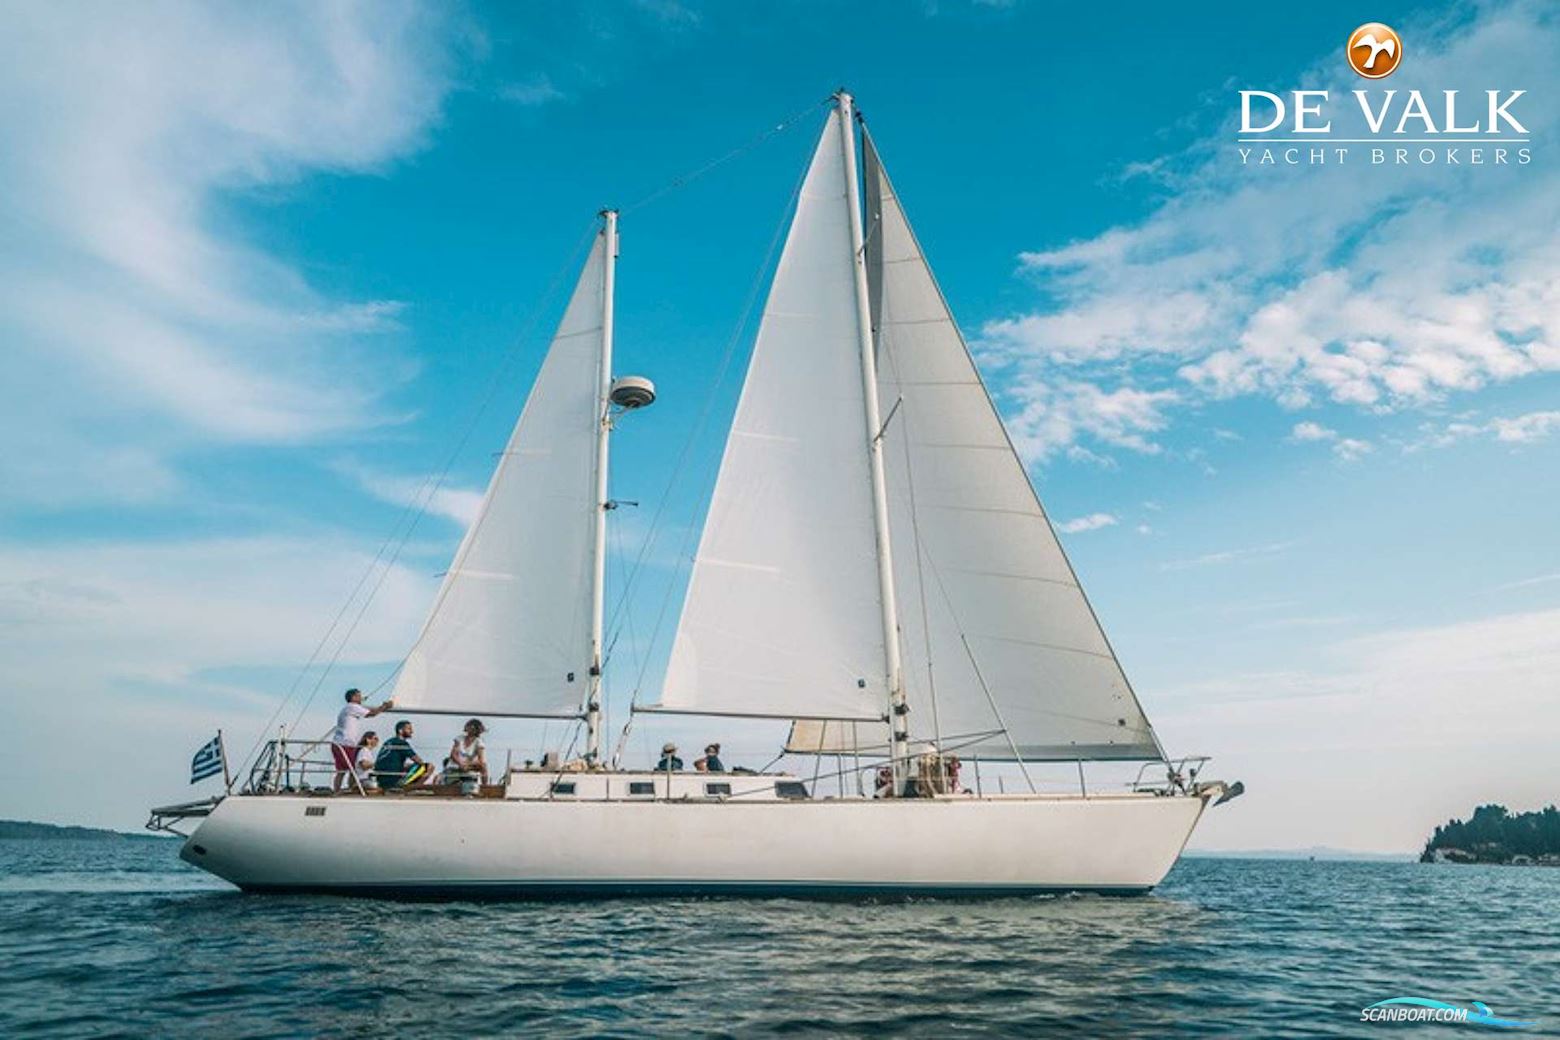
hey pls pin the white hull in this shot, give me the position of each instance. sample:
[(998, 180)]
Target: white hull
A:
[(497, 848)]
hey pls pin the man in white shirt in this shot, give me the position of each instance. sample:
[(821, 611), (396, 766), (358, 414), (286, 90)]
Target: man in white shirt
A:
[(349, 732)]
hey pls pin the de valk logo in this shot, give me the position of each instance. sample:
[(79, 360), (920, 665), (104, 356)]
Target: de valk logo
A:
[(1374, 50), (1426, 125)]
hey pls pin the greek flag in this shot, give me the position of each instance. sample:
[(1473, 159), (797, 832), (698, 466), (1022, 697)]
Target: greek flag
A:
[(208, 761)]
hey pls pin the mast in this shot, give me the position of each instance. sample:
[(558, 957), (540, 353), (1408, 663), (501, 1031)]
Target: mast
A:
[(898, 708), (602, 504)]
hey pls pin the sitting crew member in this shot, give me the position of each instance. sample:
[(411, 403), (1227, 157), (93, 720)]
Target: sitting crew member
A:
[(467, 755), (365, 759), (884, 786), (669, 761), (711, 762), (397, 765), (349, 727)]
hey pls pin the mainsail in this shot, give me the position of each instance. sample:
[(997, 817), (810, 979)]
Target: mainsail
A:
[(1003, 655), (782, 616), (509, 633)]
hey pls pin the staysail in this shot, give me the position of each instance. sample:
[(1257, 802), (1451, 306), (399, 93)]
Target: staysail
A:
[(782, 616), (1003, 655), (509, 633)]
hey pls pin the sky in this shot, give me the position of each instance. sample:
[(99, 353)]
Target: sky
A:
[(269, 274)]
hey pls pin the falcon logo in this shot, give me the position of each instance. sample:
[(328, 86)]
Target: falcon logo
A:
[(1374, 50)]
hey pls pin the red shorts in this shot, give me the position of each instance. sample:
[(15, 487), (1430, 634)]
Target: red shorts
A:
[(344, 756)]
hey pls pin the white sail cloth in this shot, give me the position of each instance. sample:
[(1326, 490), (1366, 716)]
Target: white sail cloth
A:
[(782, 616), (1002, 653), (509, 633)]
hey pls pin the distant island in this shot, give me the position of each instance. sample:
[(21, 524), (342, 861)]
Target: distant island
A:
[(1494, 835), (25, 830), (1314, 852)]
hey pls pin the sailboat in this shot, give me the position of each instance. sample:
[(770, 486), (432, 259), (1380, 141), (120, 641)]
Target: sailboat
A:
[(875, 568)]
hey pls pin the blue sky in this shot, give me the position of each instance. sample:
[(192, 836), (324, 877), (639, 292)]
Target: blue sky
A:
[(261, 265)]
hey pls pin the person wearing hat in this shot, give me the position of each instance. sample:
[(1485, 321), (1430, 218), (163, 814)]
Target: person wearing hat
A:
[(710, 763), (669, 761)]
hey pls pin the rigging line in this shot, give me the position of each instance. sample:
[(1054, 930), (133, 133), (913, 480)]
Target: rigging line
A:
[(627, 628), (688, 178), (998, 713), (618, 627), (681, 466), (498, 380), (384, 573), (297, 682)]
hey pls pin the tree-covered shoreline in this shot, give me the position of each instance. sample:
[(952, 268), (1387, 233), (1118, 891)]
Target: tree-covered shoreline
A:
[(27, 830), (1494, 835)]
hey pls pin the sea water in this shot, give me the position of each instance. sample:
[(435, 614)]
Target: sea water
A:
[(119, 938)]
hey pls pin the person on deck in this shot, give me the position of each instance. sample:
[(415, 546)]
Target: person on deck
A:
[(349, 728), (711, 762), (397, 765), (467, 754), (669, 763), (365, 760)]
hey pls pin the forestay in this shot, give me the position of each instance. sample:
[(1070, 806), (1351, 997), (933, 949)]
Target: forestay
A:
[(997, 633), (509, 632), (782, 616)]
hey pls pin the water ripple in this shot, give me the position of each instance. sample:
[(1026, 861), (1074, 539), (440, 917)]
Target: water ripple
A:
[(106, 939)]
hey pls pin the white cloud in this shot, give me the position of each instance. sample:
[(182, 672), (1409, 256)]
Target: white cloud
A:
[(673, 13), (1526, 428), (1104, 331), (1092, 522), (1516, 429), (1542, 579), (1303, 621), (1447, 717), (1227, 556), (126, 645), (128, 296), (1348, 449), (424, 493), (539, 90), (1375, 288), (1045, 417), (141, 322), (1310, 431)]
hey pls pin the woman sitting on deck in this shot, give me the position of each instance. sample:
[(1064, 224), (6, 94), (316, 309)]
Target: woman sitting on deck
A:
[(467, 755), (367, 752)]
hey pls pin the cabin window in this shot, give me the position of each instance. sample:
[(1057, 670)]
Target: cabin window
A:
[(563, 787), (314, 810), (641, 787), (790, 789), (717, 790)]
